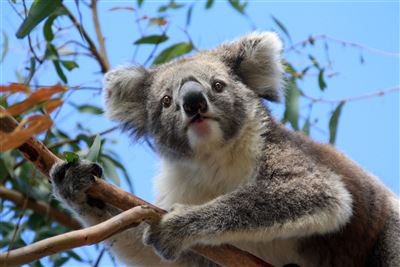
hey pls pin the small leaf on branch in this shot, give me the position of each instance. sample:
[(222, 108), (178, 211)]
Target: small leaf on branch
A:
[(333, 122), (161, 21), (282, 27), (209, 4), (152, 39), (171, 5), (321, 81), (59, 71), (35, 124), (94, 150), (292, 104), (172, 52), (15, 87), (86, 108), (52, 105), (71, 157), (69, 64), (39, 10), (306, 127), (238, 6), (5, 47), (36, 97), (189, 15), (110, 170)]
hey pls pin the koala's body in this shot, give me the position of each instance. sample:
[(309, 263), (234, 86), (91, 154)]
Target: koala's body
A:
[(232, 174)]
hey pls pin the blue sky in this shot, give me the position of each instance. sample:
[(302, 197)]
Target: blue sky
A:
[(368, 129)]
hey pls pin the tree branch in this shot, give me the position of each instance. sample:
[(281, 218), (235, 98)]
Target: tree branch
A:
[(44, 159), (99, 35), (39, 207), (103, 64), (78, 238)]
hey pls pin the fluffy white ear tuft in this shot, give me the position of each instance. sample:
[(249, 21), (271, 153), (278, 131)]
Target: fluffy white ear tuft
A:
[(125, 95), (256, 58)]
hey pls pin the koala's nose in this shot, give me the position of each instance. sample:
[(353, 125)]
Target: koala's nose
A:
[(193, 98)]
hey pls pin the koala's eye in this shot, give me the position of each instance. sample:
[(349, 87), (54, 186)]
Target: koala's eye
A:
[(166, 101), (218, 86)]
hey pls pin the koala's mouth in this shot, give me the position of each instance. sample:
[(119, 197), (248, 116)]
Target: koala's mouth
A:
[(198, 118)]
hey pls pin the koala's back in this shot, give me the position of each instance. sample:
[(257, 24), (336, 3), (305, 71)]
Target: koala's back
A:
[(372, 236)]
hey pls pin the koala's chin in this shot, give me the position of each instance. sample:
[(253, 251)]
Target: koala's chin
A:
[(205, 135)]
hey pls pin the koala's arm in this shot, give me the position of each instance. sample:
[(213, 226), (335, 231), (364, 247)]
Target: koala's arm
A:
[(70, 182), (295, 204)]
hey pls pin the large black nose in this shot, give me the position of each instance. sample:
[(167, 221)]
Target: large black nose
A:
[(193, 98)]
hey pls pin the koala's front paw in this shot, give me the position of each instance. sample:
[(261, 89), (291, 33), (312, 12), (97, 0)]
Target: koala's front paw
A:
[(71, 180), (170, 237)]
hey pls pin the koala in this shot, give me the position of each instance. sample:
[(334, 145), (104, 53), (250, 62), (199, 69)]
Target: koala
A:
[(232, 174)]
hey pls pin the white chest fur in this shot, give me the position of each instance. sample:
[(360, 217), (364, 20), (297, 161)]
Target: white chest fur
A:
[(212, 173)]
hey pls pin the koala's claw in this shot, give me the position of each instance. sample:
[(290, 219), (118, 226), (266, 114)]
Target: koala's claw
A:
[(71, 180), (164, 243)]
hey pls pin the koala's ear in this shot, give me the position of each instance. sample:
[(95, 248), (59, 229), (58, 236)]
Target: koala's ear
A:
[(256, 59), (125, 93)]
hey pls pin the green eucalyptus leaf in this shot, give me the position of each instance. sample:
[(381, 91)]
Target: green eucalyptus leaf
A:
[(86, 108), (209, 4), (73, 255), (333, 122), (59, 71), (152, 39), (51, 52), (140, 3), (47, 29), (321, 81), (239, 7), (5, 46), (172, 52), (314, 61), (292, 104), (110, 170), (306, 127), (71, 157), (94, 150), (282, 27), (39, 10), (69, 64), (60, 261), (189, 15)]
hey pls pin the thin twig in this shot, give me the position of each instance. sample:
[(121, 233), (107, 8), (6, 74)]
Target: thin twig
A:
[(103, 64), (67, 141), (101, 254), (100, 37), (343, 42), (381, 92)]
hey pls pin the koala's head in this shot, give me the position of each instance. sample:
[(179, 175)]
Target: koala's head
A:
[(198, 102)]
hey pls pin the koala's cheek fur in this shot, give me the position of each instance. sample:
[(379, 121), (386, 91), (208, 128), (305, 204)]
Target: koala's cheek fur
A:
[(168, 131)]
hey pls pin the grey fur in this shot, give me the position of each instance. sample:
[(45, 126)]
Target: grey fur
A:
[(249, 182)]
